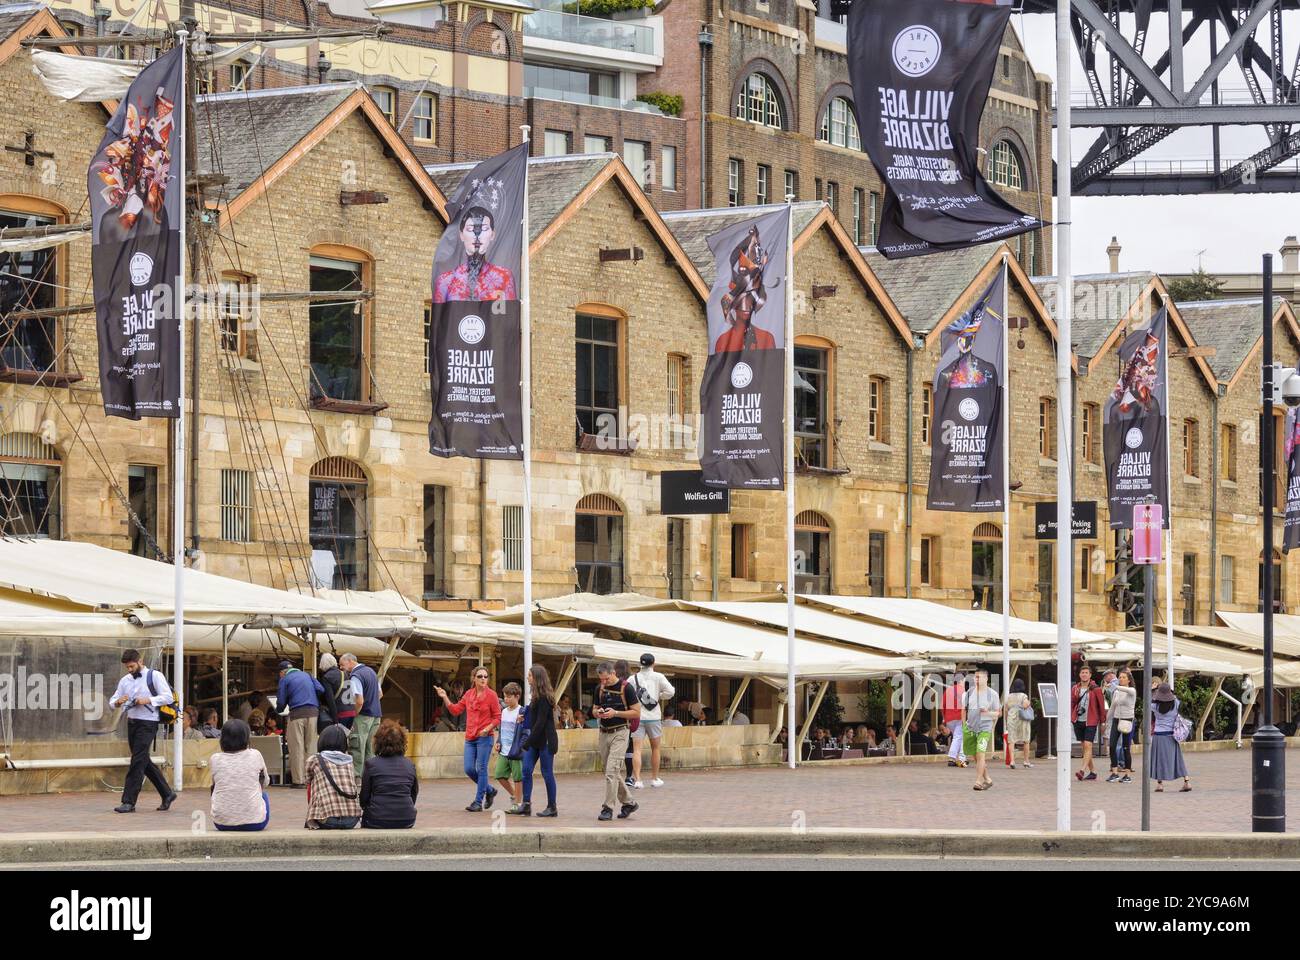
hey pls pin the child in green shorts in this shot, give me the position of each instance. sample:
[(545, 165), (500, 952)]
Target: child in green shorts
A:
[(508, 765)]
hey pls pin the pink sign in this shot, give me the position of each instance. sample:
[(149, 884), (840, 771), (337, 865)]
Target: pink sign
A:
[(1148, 518)]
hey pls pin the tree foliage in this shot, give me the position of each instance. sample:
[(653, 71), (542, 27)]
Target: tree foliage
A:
[(1199, 286)]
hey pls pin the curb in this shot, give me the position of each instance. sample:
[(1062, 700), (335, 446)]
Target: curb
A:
[(107, 847)]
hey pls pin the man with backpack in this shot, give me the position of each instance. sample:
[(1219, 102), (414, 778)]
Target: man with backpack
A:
[(615, 708), (145, 690), (651, 689)]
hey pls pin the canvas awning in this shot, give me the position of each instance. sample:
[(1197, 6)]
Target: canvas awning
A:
[(22, 616), (1127, 648), (1248, 632)]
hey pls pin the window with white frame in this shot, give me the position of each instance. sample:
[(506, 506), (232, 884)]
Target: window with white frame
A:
[(1005, 166), (839, 127), (760, 184), (758, 102), (425, 118)]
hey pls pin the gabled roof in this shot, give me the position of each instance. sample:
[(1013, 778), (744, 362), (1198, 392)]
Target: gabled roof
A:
[(19, 21), (558, 187), (254, 137), (693, 228), (1102, 303), (1232, 328)]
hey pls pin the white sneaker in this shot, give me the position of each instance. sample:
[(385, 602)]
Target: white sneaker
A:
[(656, 782), (638, 785)]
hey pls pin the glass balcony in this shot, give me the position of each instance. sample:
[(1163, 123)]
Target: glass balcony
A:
[(568, 96), (592, 31)]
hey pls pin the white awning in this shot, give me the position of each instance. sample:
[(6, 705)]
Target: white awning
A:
[(1248, 630)]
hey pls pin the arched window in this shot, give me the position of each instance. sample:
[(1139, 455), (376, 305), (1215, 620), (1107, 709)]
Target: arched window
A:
[(758, 102), (598, 544), (338, 529), (29, 281), (839, 125), (812, 553), (1006, 169), (29, 487), (986, 566)]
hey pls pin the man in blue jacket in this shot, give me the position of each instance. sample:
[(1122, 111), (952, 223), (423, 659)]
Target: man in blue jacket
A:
[(300, 692)]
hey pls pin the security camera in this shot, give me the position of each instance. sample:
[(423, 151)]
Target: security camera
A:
[(1291, 388)]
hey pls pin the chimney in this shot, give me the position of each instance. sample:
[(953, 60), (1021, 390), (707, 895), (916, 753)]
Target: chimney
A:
[(1113, 252), (1290, 255)]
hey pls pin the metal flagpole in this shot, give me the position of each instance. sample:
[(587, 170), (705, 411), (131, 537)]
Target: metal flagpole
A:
[(792, 733), (1064, 493), (178, 465), (526, 401), (1169, 508), (1006, 484)]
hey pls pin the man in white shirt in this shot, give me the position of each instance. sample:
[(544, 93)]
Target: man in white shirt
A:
[(651, 689), (142, 728)]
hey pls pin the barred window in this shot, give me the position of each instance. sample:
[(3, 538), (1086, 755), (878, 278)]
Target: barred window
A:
[(236, 506), (512, 537)]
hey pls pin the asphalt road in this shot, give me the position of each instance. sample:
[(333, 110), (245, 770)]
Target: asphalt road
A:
[(677, 864)]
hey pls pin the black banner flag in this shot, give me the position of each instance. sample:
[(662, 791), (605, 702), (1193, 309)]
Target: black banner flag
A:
[(966, 462), (1291, 529), (136, 205), (742, 393), (1135, 427), (474, 337), (921, 71)]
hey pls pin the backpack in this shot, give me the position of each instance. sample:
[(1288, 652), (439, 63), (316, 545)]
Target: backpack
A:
[(167, 712), (635, 723)]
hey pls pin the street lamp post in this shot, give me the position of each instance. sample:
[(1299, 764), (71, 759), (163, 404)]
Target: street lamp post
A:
[(1268, 747)]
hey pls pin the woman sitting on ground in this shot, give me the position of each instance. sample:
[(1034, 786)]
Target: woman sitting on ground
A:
[(389, 784), (333, 794), (239, 778)]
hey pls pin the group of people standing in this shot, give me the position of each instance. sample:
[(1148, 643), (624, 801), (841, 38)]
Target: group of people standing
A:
[(1108, 711)]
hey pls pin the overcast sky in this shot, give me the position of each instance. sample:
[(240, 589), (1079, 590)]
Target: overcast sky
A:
[(1170, 233)]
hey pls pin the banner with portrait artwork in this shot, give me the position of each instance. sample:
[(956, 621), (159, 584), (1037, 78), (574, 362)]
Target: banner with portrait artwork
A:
[(136, 205), (921, 72), (742, 392), (966, 462), (1291, 529), (1135, 425), (474, 327)]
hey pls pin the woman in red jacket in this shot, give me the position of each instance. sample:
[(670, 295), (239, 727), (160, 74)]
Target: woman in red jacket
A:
[(482, 711), (1087, 710)]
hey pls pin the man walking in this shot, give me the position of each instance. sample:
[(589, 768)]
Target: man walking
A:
[(365, 697), (614, 709), (950, 704), (982, 707), (300, 692), (145, 690), (652, 688)]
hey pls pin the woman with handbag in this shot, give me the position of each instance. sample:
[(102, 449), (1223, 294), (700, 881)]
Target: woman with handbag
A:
[(333, 793), (1168, 729), (1123, 705), (1019, 721)]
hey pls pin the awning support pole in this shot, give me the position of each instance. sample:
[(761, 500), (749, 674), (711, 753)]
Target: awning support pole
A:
[(812, 712), (921, 684), (567, 669), (225, 673), (389, 655), (1209, 708), (735, 699)]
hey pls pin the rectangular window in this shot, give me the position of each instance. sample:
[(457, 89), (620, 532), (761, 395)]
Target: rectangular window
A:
[(878, 409), (1227, 587), (791, 184), (929, 561), (812, 377), (833, 197), (927, 410), (857, 216), (874, 217), (338, 344), (236, 506), (235, 313), (676, 386), (676, 572), (742, 565), (733, 183), (597, 371), (591, 144), (636, 155), (1088, 432), (668, 167), (386, 99), (817, 184), (876, 563), (1047, 428), (1085, 569), (1228, 451), (142, 492), (1191, 449), (1189, 588), (238, 74), (425, 120), (435, 541), (555, 143), (760, 184), (30, 282), (512, 537)]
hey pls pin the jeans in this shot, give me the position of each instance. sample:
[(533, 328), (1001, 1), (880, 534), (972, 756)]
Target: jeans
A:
[(477, 754), (140, 735), (251, 827), (548, 774), (1121, 748)]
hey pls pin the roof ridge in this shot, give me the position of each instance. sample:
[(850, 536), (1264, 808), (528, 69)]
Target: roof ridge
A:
[(270, 92)]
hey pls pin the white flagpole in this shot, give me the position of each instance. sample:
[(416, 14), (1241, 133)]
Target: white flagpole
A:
[(792, 732), (1006, 482), (1169, 515), (1064, 393), (178, 437), (526, 401)]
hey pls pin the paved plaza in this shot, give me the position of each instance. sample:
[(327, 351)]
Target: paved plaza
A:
[(901, 796)]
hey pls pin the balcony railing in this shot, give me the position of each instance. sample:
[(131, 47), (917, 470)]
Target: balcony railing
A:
[(568, 96), (591, 31)]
